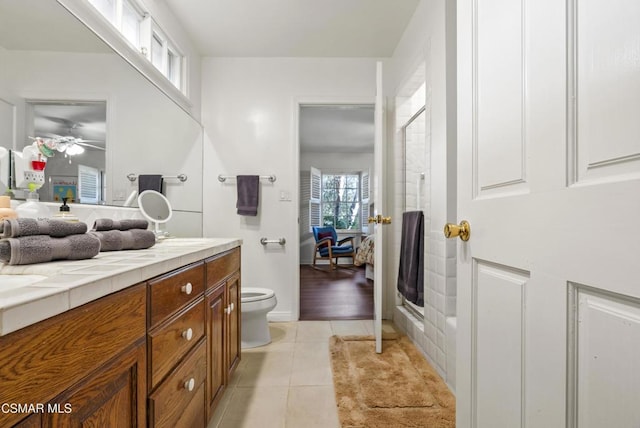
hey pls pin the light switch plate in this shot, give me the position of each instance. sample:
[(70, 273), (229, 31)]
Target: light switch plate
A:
[(285, 195)]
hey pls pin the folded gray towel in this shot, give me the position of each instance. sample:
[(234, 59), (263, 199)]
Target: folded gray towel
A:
[(116, 240), (126, 224), (27, 250), (248, 194), (16, 227)]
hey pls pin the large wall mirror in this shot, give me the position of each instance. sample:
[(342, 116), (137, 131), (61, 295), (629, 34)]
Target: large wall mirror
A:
[(57, 77)]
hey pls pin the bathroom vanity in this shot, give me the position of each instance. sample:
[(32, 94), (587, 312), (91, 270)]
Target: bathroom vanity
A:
[(129, 338)]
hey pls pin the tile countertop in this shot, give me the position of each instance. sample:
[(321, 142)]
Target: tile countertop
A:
[(63, 285)]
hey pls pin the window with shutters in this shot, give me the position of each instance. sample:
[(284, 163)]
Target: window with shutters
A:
[(89, 185), (340, 200)]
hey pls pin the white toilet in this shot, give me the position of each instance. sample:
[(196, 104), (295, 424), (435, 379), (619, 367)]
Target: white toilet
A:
[(256, 302)]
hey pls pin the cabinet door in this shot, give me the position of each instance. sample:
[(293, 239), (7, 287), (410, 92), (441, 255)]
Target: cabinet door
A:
[(32, 421), (233, 323), (113, 396), (216, 313)]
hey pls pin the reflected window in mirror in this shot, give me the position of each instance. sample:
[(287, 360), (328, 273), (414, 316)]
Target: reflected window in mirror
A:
[(166, 57), (126, 15), (131, 19)]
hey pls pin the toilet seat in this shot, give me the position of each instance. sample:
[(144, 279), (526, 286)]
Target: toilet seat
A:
[(255, 294)]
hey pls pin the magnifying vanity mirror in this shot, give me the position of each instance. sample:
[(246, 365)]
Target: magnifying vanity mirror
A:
[(156, 208)]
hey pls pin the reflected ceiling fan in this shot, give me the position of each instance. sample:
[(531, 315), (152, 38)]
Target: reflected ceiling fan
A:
[(71, 136)]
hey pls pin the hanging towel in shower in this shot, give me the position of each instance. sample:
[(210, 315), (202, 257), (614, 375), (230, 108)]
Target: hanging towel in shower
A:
[(411, 271), (248, 194), (149, 182)]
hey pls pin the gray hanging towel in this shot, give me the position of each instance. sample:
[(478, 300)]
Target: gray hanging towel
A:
[(411, 271), (149, 182), (248, 194)]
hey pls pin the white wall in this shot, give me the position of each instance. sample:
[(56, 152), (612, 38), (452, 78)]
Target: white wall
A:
[(249, 112), (430, 38)]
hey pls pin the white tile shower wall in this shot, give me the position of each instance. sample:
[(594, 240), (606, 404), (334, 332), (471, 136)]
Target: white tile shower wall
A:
[(425, 38)]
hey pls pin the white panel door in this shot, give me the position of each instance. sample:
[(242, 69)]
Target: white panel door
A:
[(378, 198), (549, 181)]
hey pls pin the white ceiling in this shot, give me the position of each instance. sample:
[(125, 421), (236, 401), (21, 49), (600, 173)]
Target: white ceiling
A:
[(294, 28), (337, 129)]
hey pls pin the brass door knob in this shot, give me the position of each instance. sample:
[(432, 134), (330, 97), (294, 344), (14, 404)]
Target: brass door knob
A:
[(380, 220), (463, 230)]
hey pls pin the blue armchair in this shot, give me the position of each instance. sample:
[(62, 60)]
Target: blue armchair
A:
[(329, 248)]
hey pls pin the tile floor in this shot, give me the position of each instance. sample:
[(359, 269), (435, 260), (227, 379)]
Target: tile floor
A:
[(288, 383)]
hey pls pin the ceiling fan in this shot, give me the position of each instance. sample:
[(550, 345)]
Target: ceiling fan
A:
[(70, 139), (71, 136)]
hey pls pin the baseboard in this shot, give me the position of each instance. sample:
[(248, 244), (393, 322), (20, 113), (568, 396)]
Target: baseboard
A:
[(280, 316)]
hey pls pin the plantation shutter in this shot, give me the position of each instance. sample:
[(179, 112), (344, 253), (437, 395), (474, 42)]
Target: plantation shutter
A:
[(315, 181), (364, 192), (88, 185)]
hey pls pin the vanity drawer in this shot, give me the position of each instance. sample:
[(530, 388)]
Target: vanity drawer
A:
[(170, 292), (179, 400), (170, 342), (221, 266)]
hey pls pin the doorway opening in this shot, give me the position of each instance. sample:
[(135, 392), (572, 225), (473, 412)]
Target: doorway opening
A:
[(336, 159), (78, 175)]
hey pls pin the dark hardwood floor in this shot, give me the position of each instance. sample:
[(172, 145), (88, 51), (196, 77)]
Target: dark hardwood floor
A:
[(341, 294)]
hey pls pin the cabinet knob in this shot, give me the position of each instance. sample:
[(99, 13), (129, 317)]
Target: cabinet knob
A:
[(190, 384), (188, 334), (227, 310), (187, 288), (232, 307)]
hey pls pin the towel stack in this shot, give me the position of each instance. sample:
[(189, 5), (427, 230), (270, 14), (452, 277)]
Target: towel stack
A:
[(116, 235), (26, 241)]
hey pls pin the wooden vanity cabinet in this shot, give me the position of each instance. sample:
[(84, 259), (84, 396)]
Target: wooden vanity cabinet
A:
[(85, 366), (156, 354), (222, 295), (176, 349)]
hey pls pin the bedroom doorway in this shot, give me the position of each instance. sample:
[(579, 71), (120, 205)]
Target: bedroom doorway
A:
[(337, 143)]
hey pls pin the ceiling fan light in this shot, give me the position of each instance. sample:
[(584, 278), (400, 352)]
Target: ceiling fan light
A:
[(75, 149)]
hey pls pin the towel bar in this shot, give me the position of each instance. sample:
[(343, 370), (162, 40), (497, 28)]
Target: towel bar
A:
[(265, 241), (223, 178), (182, 177)]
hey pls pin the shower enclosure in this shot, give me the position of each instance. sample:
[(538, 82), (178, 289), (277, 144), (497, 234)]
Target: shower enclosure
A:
[(416, 175)]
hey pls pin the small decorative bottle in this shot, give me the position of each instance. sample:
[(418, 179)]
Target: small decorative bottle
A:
[(65, 213)]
